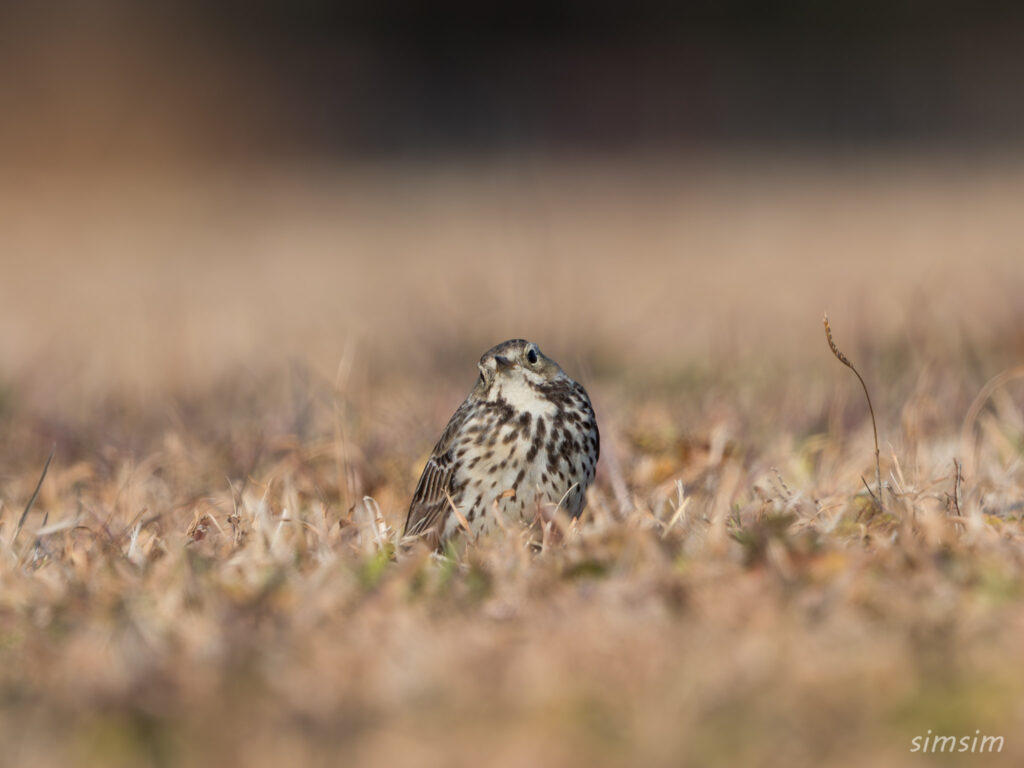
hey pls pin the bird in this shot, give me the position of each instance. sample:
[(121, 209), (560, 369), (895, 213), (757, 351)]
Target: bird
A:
[(523, 441)]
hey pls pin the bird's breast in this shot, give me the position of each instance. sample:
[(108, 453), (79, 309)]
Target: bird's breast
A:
[(519, 452)]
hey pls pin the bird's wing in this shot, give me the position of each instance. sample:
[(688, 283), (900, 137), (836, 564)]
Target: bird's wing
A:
[(431, 502)]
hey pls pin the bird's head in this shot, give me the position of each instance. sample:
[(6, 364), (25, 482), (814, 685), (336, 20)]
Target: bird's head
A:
[(515, 361)]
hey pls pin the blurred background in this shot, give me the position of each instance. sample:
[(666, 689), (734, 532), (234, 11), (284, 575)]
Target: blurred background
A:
[(192, 185), (230, 82)]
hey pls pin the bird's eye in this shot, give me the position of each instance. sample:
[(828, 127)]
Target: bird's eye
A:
[(531, 356)]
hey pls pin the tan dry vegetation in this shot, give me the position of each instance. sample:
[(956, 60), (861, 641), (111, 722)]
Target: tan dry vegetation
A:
[(231, 367)]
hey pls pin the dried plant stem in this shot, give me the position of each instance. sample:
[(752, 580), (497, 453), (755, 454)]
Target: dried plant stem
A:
[(956, 489), (874, 426), (31, 501), (997, 381)]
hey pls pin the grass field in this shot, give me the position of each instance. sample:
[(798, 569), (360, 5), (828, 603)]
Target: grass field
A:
[(243, 373)]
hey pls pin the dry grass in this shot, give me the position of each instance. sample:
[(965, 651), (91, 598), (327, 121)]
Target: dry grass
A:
[(208, 575)]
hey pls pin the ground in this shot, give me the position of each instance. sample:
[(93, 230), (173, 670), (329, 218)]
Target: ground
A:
[(241, 374)]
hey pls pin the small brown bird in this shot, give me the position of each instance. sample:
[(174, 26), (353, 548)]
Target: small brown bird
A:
[(525, 436)]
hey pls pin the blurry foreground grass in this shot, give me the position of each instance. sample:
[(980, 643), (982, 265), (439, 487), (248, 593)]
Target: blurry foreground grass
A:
[(215, 595), (209, 574)]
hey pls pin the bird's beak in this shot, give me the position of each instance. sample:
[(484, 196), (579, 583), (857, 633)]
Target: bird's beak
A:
[(503, 363)]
